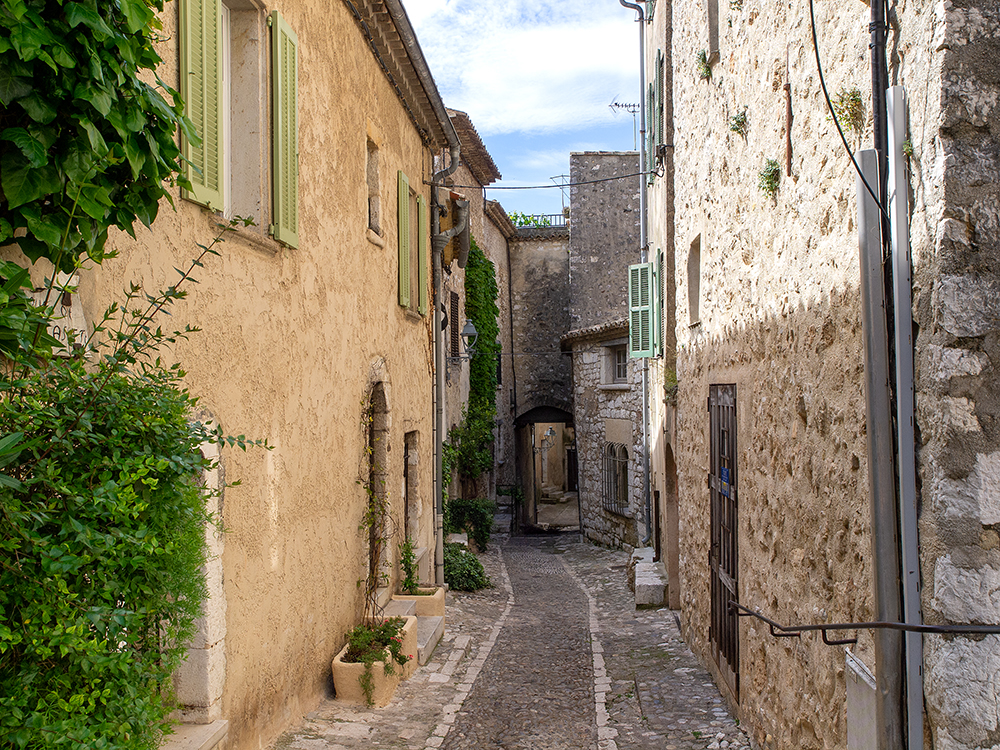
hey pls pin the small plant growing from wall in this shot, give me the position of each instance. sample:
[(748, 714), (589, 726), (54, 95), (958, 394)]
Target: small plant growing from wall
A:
[(704, 69), (850, 109), (769, 178), (908, 149), (739, 124), (736, 5)]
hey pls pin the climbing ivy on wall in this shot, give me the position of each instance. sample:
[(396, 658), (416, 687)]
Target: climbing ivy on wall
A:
[(474, 438)]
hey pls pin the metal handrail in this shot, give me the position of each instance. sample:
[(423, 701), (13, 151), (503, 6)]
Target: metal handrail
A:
[(795, 631)]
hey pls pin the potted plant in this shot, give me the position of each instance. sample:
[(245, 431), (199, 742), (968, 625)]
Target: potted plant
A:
[(369, 667), (428, 600)]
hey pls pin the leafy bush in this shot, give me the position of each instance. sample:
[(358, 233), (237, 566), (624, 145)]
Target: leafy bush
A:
[(102, 535), (462, 569), (85, 142), (474, 515), (519, 219)]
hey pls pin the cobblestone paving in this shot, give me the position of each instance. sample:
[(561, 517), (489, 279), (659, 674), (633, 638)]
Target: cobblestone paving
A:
[(554, 657)]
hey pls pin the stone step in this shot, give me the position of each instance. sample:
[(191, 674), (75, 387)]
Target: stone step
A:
[(429, 632), (400, 608), (196, 736), (462, 539), (650, 584)]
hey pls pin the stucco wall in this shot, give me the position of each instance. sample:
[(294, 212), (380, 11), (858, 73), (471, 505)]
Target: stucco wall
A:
[(539, 273), (495, 246), (291, 345)]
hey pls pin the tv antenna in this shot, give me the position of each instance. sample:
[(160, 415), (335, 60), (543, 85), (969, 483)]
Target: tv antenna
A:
[(632, 109)]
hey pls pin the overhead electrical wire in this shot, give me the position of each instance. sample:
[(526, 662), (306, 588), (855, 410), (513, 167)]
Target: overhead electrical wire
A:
[(555, 185), (833, 114)]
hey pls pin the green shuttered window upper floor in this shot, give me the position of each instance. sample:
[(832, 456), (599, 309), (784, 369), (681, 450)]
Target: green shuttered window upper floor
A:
[(201, 60)]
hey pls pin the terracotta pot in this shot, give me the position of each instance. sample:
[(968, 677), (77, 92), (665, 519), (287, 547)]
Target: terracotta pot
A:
[(430, 604), (347, 676)]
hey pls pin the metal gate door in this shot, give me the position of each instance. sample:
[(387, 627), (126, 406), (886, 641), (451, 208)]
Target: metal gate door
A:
[(724, 553)]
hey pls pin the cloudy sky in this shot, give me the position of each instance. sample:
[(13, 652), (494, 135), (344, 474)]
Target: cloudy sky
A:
[(536, 78)]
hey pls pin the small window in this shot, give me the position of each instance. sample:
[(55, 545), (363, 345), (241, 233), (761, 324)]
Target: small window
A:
[(694, 281), (374, 194), (615, 494), (614, 363), (454, 323), (621, 364)]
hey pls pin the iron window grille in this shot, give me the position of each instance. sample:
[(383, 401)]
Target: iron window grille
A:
[(615, 496)]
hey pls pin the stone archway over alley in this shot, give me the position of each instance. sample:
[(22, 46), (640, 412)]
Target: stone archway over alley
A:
[(554, 656)]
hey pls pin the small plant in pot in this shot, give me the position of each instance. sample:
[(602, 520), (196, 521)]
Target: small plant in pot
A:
[(371, 643), (428, 600)]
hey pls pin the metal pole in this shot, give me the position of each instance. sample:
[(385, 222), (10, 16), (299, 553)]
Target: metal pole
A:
[(881, 474), (643, 258), (899, 234)]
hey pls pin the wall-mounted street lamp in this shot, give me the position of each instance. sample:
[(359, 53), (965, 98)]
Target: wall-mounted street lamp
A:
[(548, 440), (469, 336)]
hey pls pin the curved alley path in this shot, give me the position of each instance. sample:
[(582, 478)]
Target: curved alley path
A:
[(553, 657)]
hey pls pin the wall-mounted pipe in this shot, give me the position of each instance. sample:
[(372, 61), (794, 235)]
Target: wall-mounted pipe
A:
[(881, 474), (643, 258), (899, 236)]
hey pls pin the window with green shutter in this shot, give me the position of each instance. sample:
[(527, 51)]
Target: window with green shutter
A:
[(200, 61), (650, 133), (660, 100), (423, 236), (403, 230), (640, 309), (285, 130), (659, 323)]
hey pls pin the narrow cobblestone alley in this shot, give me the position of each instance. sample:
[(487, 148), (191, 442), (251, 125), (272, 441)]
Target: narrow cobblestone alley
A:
[(554, 656)]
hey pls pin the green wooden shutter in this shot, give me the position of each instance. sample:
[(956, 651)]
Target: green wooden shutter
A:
[(403, 213), (201, 50), (650, 132), (659, 97), (640, 310), (659, 334), (423, 236), (285, 130), (650, 9)]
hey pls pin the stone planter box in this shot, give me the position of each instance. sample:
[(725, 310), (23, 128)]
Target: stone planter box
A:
[(430, 604), (346, 676)]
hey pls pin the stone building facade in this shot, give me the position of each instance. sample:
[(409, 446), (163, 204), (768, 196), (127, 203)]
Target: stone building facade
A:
[(769, 338), (607, 383), (607, 410), (539, 299)]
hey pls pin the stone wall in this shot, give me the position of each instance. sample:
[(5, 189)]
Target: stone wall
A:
[(767, 299), (956, 184), (603, 235), (773, 306), (607, 413), (539, 277)]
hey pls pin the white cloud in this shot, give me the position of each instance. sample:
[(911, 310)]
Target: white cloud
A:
[(519, 66)]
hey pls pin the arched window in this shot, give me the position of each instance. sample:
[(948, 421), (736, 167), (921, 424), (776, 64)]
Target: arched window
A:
[(615, 496)]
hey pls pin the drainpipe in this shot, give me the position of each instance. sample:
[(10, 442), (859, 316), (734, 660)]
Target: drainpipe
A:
[(438, 240), (643, 258)]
